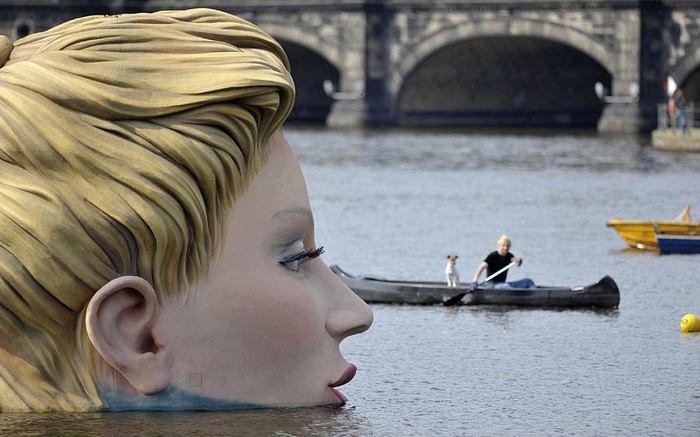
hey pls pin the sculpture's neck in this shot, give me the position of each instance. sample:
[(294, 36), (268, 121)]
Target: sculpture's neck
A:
[(170, 399)]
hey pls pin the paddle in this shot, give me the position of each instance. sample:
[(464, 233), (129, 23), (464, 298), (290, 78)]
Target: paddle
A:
[(454, 300)]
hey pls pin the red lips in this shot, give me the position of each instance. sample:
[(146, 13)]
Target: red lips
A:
[(345, 377)]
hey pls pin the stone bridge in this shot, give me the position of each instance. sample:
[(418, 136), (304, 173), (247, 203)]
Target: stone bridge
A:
[(456, 63)]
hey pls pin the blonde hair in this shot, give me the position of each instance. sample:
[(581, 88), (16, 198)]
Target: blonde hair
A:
[(124, 141), (504, 239)]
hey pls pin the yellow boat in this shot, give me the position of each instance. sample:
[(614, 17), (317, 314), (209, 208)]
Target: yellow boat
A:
[(640, 233)]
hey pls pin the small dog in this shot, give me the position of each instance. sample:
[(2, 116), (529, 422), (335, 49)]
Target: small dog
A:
[(451, 271)]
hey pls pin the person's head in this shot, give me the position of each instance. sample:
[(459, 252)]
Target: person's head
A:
[(504, 244), (156, 241)]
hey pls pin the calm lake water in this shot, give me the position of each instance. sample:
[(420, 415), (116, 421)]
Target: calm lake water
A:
[(395, 203)]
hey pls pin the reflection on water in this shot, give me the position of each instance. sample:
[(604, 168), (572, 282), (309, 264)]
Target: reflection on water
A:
[(299, 421), (394, 203)]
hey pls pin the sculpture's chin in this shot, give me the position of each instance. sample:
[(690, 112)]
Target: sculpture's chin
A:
[(170, 399)]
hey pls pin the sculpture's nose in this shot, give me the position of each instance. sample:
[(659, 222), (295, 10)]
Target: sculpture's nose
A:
[(347, 314)]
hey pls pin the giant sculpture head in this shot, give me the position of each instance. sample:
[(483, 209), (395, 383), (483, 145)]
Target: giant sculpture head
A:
[(156, 241)]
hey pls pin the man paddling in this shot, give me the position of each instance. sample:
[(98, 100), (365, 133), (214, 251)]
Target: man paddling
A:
[(496, 261)]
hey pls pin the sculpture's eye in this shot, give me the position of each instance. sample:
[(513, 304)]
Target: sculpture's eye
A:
[(294, 262)]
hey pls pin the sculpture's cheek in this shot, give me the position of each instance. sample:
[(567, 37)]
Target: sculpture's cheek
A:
[(254, 335)]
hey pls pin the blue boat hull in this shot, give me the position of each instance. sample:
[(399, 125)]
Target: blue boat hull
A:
[(669, 244)]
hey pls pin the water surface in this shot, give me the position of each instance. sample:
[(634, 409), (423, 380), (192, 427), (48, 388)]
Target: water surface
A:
[(395, 203)]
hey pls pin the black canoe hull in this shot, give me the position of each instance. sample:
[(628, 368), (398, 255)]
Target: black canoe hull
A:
[(602, 294)]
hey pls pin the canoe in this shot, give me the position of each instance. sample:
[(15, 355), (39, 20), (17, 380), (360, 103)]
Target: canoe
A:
[(674, 243), (640, 234), (602, 294)]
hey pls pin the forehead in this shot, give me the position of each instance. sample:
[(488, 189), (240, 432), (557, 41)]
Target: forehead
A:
[(279, 186), (280, 183)]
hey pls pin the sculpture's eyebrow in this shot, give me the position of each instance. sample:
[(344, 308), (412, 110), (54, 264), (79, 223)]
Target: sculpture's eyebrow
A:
[(306, 212)]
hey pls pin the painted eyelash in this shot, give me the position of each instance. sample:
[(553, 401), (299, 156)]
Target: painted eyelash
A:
[(299, 258)]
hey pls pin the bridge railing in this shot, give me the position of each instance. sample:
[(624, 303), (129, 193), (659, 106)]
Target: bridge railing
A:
[(686, 118)]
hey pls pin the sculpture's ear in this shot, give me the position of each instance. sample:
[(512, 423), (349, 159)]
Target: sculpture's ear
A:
[(120, 321)]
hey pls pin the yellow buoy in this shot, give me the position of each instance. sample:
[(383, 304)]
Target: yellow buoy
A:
[(690, 323)]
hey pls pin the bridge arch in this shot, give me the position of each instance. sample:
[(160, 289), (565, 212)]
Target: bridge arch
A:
[(306, 39), (310, 70), (313, 61), (517, 27)]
